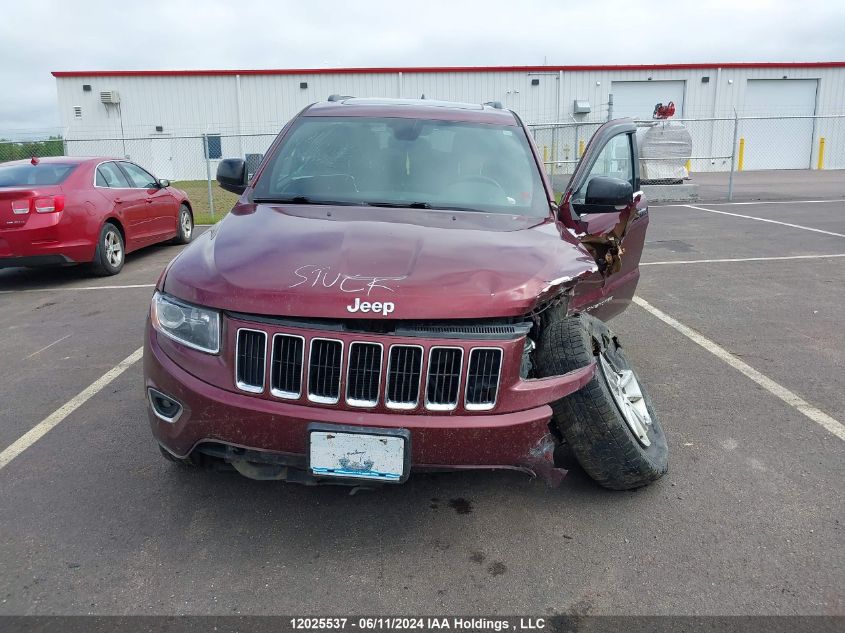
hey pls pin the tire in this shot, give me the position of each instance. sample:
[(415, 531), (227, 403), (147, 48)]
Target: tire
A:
[(111, 252), (185, 226), (591, 420)]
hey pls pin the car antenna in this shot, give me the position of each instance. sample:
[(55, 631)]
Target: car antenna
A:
[(339, 97), (493, 104)]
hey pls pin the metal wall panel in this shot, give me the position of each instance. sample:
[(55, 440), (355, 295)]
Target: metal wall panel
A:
[(262, 103)]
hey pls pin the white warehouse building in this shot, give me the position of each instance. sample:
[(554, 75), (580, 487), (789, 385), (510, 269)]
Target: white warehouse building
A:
[(179, 123)]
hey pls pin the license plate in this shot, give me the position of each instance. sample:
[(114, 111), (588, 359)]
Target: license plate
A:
[(351, 452)]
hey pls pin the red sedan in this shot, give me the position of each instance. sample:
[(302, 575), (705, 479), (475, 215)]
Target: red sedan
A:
[(66, 210)]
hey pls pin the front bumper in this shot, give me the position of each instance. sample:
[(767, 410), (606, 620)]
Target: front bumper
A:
[(214, 416)]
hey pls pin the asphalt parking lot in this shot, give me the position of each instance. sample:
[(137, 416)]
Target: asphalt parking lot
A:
[(749, 519)]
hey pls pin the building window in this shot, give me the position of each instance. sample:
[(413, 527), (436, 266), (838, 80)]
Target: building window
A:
[(77, 112), (214, 147)]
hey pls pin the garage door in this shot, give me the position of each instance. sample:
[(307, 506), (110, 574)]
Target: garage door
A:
[(637, 98), (773, 143)]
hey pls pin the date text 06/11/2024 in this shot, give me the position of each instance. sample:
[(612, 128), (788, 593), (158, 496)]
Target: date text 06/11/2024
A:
[(416, 623)]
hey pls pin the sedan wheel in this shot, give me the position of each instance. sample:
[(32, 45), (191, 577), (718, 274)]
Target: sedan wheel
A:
[(185, 227), (114, 249), (111, 252)]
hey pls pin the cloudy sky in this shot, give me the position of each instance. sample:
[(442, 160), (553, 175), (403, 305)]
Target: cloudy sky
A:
[(45, 35)]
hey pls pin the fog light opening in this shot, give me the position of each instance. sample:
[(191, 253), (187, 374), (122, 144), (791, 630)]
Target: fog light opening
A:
[(164, 407)]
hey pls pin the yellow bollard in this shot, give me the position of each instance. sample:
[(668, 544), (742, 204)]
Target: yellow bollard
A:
[(580, 148), (821, 153), (545, 153), (554, 157), (741, 154), (688, 166)]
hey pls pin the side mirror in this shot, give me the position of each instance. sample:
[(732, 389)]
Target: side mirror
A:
[(605, 193), (231, 174), (163, 183)]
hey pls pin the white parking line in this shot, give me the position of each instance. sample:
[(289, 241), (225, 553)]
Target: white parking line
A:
[(739, 259), (722, 204), (751, 217), (46, 347), (816, 415), (51, 421), (8, 292)]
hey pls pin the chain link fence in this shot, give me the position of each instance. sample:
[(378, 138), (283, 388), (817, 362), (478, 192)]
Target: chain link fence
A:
[(722, 148)]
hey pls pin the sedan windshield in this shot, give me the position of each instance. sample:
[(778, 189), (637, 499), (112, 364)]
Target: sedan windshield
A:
[(405, 163), (39, 174)]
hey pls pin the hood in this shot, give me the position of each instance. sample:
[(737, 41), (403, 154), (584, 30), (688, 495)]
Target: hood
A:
[(365, 262)]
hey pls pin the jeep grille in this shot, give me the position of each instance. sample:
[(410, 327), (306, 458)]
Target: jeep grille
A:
[(367, 374)]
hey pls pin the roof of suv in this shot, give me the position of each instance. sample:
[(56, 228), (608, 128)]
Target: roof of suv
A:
[(413, 109)]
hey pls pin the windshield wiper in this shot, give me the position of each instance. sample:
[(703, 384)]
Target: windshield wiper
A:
[(303, 200), (401, 205)]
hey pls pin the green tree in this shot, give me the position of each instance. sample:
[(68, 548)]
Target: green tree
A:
[(16, 150)]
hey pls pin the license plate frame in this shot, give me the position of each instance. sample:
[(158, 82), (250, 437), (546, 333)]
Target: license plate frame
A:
[(345, 434)]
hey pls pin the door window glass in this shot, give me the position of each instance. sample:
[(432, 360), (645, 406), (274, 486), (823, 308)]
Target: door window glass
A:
[(614, 160), (109, 175), (139, 178)]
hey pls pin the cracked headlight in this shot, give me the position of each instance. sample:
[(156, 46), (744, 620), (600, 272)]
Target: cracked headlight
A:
[(191, 325)]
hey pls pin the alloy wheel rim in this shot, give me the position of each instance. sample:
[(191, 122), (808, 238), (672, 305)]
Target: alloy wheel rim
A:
[(629, 398), (186, 224), (114, 251)]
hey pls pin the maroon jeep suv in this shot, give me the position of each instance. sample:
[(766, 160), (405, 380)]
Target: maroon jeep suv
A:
[(397, 290)]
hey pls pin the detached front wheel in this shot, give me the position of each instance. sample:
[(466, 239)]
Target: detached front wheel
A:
[(610, 423)]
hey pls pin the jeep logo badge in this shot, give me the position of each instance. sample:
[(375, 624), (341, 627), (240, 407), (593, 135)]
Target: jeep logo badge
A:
[(385, 307)]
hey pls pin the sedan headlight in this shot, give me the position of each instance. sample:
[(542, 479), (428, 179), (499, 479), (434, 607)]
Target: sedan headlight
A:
[(190, 325)]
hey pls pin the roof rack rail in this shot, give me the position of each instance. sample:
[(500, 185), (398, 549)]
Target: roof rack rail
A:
[(339, 97), (493, 104)]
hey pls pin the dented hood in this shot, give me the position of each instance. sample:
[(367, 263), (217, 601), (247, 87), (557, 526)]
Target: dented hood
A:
[(318, 261)]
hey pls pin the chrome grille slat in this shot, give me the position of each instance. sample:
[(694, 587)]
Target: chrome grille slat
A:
[(363, 374), (251, 356), (444, 378), (404, 369), (286, 366), (324, 370), (483, 373)]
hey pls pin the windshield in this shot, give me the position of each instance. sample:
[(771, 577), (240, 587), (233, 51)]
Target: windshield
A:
[(405, 162), (29, 174)]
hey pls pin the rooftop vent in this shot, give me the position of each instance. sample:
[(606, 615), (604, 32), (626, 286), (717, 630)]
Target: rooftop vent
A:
[(110, 96)]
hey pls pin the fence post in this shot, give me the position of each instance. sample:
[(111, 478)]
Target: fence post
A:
[(733, 157), (208, 174)]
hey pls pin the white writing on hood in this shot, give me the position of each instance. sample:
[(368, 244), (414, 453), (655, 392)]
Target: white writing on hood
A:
[(319, 275)]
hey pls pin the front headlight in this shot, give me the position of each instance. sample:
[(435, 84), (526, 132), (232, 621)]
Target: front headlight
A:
[(190, 325)]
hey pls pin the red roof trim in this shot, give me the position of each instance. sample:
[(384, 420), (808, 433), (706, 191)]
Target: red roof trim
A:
[(438, 69)]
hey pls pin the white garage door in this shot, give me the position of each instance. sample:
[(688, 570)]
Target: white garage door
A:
[(773, 143), (637, 98)]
